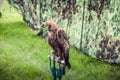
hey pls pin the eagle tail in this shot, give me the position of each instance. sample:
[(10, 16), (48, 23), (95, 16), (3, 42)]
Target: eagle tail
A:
[(68, 64), (67, 61)]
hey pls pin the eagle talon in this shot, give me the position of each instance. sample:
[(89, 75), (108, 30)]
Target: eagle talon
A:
[(53, 52)]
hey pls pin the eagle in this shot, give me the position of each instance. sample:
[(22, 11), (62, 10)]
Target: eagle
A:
[(58, 41)]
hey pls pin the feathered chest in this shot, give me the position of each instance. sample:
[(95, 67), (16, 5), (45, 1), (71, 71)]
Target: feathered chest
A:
[(51, 35), (52, 38)]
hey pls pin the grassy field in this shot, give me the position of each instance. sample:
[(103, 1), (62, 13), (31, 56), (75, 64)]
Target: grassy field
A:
[(23, 55)]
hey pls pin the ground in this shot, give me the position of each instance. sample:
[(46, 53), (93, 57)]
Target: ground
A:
[(24, 55)]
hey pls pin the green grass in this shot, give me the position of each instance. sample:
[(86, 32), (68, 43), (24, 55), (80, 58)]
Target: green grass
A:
[(23, 55)]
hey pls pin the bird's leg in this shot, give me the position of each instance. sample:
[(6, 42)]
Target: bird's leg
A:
[(53, 51), (62, 56), (57, 54)]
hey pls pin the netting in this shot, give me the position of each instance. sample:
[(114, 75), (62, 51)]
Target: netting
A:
[(93, 26), (29, 9)]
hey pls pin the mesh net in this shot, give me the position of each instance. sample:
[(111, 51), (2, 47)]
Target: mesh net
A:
[(93, 26)]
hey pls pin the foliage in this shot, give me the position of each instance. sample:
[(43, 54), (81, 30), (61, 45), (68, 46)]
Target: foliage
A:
[(66, 9), (100, 17)]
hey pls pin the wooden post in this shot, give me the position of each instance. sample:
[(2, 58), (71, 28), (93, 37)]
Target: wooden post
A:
[(54, 67), (55, 72), (82, 25)]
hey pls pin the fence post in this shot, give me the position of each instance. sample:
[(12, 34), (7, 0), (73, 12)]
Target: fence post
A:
[(82, 25), (54, 67)]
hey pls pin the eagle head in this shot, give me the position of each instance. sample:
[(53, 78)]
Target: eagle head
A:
[(51, 24)]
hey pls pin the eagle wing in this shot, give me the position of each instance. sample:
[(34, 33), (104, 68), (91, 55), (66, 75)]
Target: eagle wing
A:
[(62, 37), (63, 42)]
